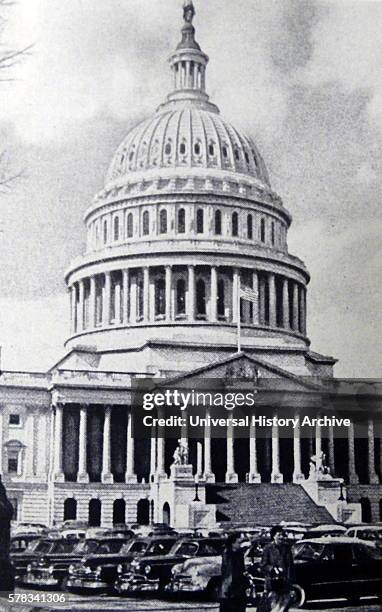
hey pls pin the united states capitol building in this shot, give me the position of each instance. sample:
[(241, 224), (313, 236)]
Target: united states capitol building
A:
[(186, 217)]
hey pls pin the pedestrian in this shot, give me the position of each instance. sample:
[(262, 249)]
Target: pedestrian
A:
[(233, 585), (278, 569)]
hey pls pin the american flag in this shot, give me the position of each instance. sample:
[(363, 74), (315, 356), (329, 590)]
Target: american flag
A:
[(249, 294)]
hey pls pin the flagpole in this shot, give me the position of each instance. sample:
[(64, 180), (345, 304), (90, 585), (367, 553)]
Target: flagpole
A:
[(238, 316)]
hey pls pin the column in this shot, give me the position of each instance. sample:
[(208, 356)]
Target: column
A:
[(276, 475), (146, 301), (295, 311), (130, 474), (297, 470), (272, 300), (373, 477), (168, 280), (230, 475), (28, 463), (235, 289), (208, 475), (262, 301), (153, 453), (92, 302), (125, 296), (255, 305), (253, 474), (106, 475), (199, 459), (302, 310), (151, 300), (353, 478), (191, 293), (331, 459), (285, 304), (58, 431), (161, 472), (214, 294), (73, 308), (82, 475), (106, 299), (81, 292), (133, 300), (318, 440)]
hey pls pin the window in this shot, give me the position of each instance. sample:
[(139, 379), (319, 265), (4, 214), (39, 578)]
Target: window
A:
[(145, 223), (182, 148), (13, 462), (180, 297), (262, 230), (160, 297), (249, 227), (163, 222), (237, 154), (218, 222), (129, 225), (131, 155), (201, 298), (246, 157), (211, 149), (167, 148), (235, 224), (181, 221), (197, 148), (14, 419), (105, 232), (199, 221), (221, 305), (273, 233), (116, 228), (225, 152)]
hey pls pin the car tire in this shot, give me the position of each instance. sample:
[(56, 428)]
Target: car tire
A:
[(298, 596), (213, 590)]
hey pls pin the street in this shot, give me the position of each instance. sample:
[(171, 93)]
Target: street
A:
[(78, 603)]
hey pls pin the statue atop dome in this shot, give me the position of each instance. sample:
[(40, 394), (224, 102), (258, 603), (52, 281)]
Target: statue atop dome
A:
[(188, 11)]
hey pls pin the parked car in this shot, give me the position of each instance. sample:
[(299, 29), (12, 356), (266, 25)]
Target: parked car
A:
[(99, 570), (370, 533), (50, 570), (151, 573), (20, 542), (34, 550), (17, 528), (321, 531)]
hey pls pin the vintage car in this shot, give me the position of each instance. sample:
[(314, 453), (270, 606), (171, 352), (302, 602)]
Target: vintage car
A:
[(99, 571), (152, 573), (21, 541), (50, 569), (320, 531), (370, 533), (34, 550)]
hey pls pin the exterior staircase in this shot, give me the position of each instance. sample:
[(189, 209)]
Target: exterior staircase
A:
[(264, 504)]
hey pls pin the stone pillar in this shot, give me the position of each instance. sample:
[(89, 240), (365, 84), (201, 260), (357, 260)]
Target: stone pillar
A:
[(253, 474), (73, 305), (235, 289), (214, 294), (199, 459), (168, 280), (303, 310), (28, 463), (153, 453), (255, 305), (230, 476), (81, 299), (161, 467), (151, 300), (117, 303), (125, 296), (106, 475), (276, 475), (373, 476), (262, 301), (353, 478), (272, 300), (106, 299), (208, 475), (58, 455), (295, 307), (130, 473), (331, 458), (285, 304), (146, 299), (82, 475), (133, 300), (191, 293), (297, 470), (92, 302), (318, 440)]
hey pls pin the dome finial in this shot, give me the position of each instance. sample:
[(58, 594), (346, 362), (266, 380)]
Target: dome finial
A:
[(188, 11)]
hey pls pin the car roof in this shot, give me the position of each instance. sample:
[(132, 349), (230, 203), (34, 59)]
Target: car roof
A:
[(335, 540), (367, 528)]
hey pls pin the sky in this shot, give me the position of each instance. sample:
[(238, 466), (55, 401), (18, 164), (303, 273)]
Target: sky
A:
[(302, 77)]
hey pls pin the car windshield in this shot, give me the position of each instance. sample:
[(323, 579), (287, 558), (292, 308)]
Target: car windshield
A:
[(86, 547), (64, 546), (308, 551), (185, 548), (159, 548), (32, 545), (106, 548), (370, 534), (44, 546), (134, 547)]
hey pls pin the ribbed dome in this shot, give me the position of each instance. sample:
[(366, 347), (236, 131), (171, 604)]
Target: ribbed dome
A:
[(187, 138)]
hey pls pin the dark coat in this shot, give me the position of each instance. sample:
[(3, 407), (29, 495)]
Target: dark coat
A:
[(233, 580), (277, 556)]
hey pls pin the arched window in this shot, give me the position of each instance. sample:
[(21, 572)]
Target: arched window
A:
[(145, 223), (197, 148), (119, 511), (105, 232), (365, 509), (182, 148), (237, 154), (235, 224), (262, 230), (143, 512), (211, 149), (70, 509), (201, 298), (163, 222), (167, 148), (221, 302), (272, 233), (166, 514), (181, 221), (218, 222), (160, 297), (249, 227), (129, 225), (225, 152), (116, 228), (246, 157), (199, 221), (94, 513), (180, 297)]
